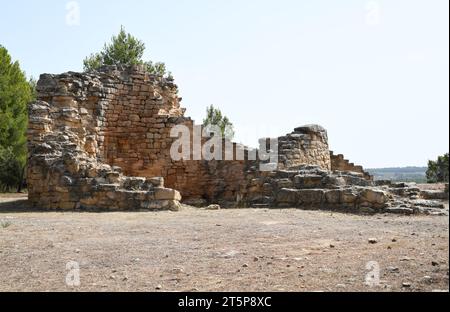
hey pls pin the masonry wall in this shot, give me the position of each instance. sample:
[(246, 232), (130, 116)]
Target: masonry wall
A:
[(66, 142), (339, 163), (136, 131), (307, 145), (92, 135), (118, 119)]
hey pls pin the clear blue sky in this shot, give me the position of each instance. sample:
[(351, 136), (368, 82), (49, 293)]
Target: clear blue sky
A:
[(374, 73)]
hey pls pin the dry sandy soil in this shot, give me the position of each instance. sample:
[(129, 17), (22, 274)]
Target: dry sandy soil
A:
[(227, 250)]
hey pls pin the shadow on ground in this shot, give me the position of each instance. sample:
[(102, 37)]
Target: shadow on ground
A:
[(16, 203)]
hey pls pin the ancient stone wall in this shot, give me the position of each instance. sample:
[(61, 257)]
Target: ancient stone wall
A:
[(68, 129), (310, 187), (307, 145), (339, 163), (137, 127), (114, 121), (90, 132)]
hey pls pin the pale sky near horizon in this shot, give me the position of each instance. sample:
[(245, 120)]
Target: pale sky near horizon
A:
[(374, 73)]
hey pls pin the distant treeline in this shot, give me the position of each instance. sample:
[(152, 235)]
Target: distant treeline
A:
[(405, 174)]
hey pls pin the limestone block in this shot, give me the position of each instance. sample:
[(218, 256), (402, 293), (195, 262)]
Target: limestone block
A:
[(172, 205), (428, 194), (285, 183), (92, 172), (289, 196), (311, 197), (333, 197), (67, 205), (167, 194), (133, 183), (113, 177), (308, 181), (349, 196), (156, 182), (71, 164), (374, 196)]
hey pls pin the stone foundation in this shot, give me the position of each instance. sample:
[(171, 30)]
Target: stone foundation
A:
[(311, 187)]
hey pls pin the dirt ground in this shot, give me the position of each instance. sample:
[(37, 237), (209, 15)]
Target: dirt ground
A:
[(226, 250)]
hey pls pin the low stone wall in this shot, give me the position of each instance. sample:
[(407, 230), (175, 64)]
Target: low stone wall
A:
[(436, 194), (339, 163), (310, 187)]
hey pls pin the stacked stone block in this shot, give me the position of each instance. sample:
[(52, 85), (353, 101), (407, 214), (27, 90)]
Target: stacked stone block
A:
[(68, 128), (339, 163), (307, 145)]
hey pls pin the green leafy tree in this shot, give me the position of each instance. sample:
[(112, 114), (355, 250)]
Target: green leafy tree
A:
[(11, 170), (215, 117), (15, 94), (124, 49), (432, 172), (438, 171), (33, 83)]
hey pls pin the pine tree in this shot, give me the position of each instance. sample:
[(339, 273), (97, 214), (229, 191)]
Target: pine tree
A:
[(124, 49), (215, 117), (438, 171), (15, 94)]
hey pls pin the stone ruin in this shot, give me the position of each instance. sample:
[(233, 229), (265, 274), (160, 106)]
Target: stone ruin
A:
[(101, 141)]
